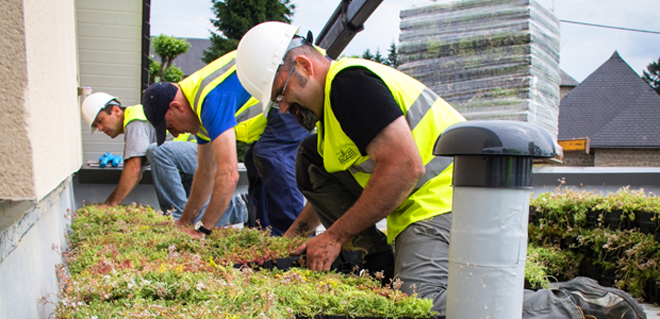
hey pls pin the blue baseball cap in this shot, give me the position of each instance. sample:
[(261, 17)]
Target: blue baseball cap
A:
[(156, 101)]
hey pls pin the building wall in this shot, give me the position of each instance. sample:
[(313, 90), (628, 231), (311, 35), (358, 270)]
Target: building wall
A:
[(30, 249), (15, 152), (613, 157), (41, 149), (38, 92), (578, 159), (563, 90), (110, 48), (52, 95)]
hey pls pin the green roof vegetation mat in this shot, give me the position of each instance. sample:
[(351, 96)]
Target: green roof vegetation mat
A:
[(122, 264)]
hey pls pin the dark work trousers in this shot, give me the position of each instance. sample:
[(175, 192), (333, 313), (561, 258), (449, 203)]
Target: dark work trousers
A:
[(331, 195), (270, 164)]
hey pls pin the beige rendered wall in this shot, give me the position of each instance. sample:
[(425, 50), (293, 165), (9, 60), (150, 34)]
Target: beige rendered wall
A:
[(52, 92), (16, 174), (38, 95), (39, 151)]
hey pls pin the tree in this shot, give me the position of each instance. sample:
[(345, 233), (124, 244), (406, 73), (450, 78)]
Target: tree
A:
[(168, 48), (393, 56), (236, 17), (378, 57), (652, 77), (367, 55)]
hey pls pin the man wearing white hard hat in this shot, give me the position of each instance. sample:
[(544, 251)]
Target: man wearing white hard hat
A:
[(172, 166), (372, 159), (212, 104)]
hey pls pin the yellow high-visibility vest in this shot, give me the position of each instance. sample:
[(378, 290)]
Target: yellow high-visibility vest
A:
[(251, 123), (136, 112), (427, 115)]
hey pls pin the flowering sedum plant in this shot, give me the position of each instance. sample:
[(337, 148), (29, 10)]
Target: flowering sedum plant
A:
[(122, 264)]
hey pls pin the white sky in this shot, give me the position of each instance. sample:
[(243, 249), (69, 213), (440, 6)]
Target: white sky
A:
[(583, 48)]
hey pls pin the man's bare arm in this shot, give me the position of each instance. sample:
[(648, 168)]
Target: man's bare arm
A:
[(304, 224), (201, 186), (226, 177), (131, 175), (398, 168)]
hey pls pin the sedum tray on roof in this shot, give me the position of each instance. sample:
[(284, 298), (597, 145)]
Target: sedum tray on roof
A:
[(121, 264)]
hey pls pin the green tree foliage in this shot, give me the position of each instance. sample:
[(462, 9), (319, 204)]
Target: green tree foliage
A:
[(652, 77), (154, 70), (367, 55), (172, 74), (392, 57), (168, 48), (236, 17)]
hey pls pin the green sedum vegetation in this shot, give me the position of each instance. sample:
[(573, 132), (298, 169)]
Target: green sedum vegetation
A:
[(614, 236), (122, 263)]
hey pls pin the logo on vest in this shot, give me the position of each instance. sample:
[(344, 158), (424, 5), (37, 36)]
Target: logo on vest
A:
[(345, 156)]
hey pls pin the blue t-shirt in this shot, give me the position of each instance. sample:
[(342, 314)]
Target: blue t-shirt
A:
[(220, 105)]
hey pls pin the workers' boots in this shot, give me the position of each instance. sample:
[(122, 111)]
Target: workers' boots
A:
[(601, 302)]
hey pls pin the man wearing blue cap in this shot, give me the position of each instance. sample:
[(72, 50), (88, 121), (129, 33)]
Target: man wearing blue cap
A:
[(172, 165), (212, 104)]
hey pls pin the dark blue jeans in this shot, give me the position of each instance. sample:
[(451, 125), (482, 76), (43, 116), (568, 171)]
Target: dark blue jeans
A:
[(173, 165), (270, 164)]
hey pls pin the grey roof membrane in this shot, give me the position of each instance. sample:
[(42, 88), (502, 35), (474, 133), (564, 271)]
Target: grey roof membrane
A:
[(614, 107)]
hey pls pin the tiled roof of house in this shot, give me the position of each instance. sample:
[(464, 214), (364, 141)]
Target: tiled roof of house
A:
[(190, 61), (566, 80), (614, 107)]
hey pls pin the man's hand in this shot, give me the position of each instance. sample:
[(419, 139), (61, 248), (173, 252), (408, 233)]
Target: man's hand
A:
[(180, 224), (322, 250), (193, 233), (165, 223), (300, 250)]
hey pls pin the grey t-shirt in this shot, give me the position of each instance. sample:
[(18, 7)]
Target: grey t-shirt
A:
[(137, 137)]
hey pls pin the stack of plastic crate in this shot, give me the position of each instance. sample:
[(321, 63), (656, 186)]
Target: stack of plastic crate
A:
[(490, 59)]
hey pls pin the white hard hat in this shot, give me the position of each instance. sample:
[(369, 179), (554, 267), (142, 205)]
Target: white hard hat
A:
[(93, 104), (259, 54)]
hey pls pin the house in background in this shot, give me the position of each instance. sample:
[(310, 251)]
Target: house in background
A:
[(618, 112), (566, 84)]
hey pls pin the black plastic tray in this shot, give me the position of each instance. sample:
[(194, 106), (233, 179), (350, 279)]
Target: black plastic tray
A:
[(346, 262)]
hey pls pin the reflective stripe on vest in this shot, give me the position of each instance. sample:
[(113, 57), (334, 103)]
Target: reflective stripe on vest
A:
[(199, 84), (415, 113), (136, 112), (426, 114)]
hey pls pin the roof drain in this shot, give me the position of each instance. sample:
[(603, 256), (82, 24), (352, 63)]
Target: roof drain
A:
[(492, 183)]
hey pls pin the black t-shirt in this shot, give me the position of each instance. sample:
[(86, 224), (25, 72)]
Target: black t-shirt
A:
[(362, 104)]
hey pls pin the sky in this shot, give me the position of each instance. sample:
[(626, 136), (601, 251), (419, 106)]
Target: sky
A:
[(583, 48)]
